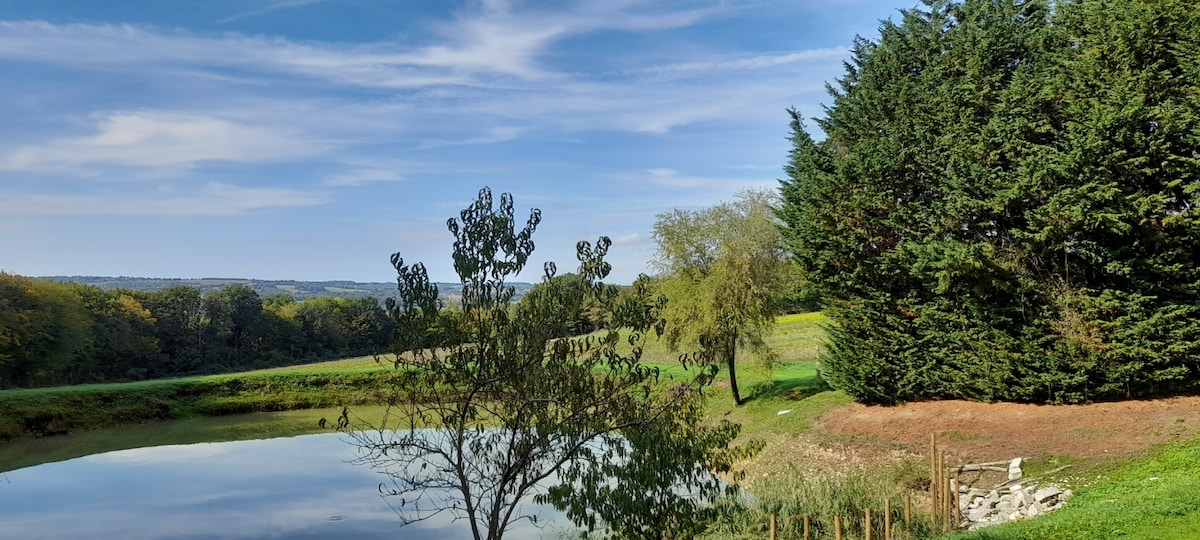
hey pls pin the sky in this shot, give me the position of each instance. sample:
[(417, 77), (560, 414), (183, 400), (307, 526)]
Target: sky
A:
[(311, 139)]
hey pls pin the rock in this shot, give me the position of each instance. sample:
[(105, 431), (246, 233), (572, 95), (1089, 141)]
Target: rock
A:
[(1045, 494), (1014, 469), (978, 514), (1010, 504)]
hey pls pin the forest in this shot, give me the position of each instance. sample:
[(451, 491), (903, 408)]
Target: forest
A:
[(67, 333)]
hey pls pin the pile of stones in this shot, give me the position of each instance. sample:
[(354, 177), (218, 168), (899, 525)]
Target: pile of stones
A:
[(1010, 501)]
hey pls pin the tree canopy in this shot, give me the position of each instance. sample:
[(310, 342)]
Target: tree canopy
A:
[(1003, 206), (69, 333), (725, 273)]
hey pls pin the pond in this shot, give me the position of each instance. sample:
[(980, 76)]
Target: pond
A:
[(296, 487)]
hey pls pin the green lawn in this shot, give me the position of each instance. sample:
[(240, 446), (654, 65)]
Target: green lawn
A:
[(1154, 497)]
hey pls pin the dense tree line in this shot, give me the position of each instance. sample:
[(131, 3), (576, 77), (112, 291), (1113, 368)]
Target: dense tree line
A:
[(66, 333), (1004, 206)]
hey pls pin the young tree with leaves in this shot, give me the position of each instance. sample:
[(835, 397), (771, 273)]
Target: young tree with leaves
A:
[(725, 274), (509, 409)]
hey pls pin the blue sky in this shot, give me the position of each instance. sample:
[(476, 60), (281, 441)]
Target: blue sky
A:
[(310, 139)]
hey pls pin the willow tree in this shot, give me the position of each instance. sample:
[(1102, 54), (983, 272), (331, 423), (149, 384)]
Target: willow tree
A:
[(1003, 206), (725, 273), (510, 409)]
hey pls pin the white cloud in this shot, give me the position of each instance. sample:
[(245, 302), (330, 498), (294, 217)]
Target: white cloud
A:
[(493, 40), (746, 62), (269, 8), (362, 177), (152, 139), (633, 239), (214, 199)]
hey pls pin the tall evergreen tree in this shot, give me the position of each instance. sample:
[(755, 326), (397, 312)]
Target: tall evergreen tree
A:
[(1002, 205)]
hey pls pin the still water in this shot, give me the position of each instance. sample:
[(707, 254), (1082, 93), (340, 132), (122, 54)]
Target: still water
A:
[(287, 488)]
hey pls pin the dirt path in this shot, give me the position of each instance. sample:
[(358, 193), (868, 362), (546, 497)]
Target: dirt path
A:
[(974, 432)]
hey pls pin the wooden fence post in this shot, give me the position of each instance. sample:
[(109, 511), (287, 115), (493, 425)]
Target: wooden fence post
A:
[(887, 519), (933, 480), (943, 491), (773, 535), (907, 514), (867, 524), (837, 527), (806, 527)]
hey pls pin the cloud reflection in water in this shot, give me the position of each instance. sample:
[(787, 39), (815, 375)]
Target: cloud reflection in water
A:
[(290, 488)]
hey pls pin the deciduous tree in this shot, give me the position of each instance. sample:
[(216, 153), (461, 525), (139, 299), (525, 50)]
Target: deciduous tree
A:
[(511, 410), (724, 272)]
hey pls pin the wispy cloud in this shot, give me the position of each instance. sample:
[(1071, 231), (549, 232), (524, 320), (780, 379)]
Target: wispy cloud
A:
[(269, 8), (215, 199), (761, 61), (495, 39), (633, 239), (152, 139), (362, 177)]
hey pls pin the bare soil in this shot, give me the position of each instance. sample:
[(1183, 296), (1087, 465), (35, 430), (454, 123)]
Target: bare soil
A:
[(980, 432)]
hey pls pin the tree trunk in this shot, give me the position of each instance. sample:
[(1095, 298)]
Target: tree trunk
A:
[(730, 356)]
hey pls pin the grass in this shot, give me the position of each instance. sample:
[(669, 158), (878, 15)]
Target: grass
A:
[(792, 384), (1153, 497), (52, 411), (821, 497), (27, 452)]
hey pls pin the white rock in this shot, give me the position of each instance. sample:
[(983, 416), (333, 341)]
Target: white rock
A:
[(1014, 469), (978, 514), (1045, 494)]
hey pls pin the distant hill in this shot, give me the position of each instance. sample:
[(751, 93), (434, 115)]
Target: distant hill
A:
[(449, 292)]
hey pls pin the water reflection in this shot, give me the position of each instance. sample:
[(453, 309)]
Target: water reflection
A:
[(293, 488)]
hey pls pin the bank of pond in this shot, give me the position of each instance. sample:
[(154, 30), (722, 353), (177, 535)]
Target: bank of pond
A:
[(60, 410)]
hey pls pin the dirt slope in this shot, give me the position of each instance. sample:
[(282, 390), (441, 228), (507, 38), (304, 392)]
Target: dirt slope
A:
[(975, 432)]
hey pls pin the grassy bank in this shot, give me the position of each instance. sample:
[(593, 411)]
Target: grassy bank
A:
[(355, 381), (1153, 497), (50, 411)]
